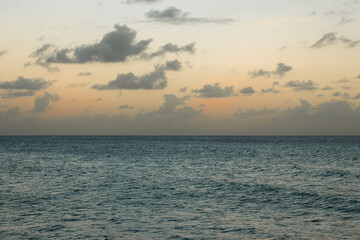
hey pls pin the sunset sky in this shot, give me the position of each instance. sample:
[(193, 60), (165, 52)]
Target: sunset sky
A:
[(164, 67)]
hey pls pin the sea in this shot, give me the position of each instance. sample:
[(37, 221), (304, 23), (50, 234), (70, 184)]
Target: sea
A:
[(179, 187)]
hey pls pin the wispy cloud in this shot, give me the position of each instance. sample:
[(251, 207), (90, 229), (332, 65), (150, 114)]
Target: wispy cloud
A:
[(173, 15), (280, 71), (333, 38)]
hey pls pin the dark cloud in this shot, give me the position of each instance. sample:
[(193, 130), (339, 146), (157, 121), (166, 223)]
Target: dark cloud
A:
[(170, 48), (84, 74), (332, 38), (174, 65), (2, 52), (42, 102), (253, 112), (248, 91), (280, 71), (357, 96), (153, 80), (141, 1), (173, 15), (23, 87), (26, 84), (215, 91), (115, 46), (358, 77), (301, 85), (126, 107)]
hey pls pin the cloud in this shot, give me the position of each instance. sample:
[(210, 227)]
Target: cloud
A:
[(23, 87), (98, 99), (173, 15), (339, 94), (358, 77), (26, 83), (170, 48), (254, 112), (248, 91), (141, 1), (42, 102), (280, 71), (153, 80), (269, 90), (301, 85), (183, 89), (126, 107), (2, 52), (16, 94), (115, 46), (345, 20), (174, 65), (84, 74), (357, 96), (331, 39), (326, 88), (215, 91)]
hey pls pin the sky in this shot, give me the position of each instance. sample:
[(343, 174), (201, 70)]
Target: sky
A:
[(180, 67)]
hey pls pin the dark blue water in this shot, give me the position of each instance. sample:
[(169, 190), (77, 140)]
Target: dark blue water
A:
[(180, 187)]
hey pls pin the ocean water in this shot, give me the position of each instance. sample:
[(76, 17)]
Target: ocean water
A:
[(180, 187)]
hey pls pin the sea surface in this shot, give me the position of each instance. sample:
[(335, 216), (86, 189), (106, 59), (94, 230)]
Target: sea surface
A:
[(179, 187)]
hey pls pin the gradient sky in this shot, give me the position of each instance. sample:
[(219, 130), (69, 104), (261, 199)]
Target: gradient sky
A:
[(124, 67)]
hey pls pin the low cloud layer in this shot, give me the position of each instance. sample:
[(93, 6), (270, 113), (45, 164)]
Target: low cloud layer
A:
[(42, 102), (332, 39), (301, 85), (280, 71), (173, 15), (22, 87), (215, 91)]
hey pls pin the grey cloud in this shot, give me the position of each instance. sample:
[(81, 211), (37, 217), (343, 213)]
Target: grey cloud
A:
[(2, 52), (126, 107), (26, 83), (253, 112), (115, 46), (141, 1), (269, 90), (339, 94), (301, 85), (327, 88), (23, 87), (174, 65), (358, 77), (332, 38), (173, 15), (153, 80), (170, 104), (280, 71), (357, 96), (248, 91), (170, 48), (98, 99), (215, 91), (42, 102), (16, 94), (183, 89), (84, 74)]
